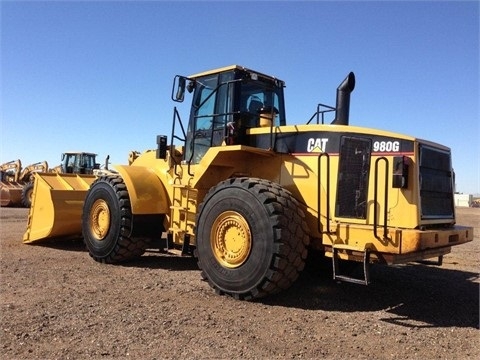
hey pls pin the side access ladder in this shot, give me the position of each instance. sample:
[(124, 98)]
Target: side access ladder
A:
[(182, 218), (365, 280)]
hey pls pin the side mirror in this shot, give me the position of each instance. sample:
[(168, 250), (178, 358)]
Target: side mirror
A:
[(178, 90)]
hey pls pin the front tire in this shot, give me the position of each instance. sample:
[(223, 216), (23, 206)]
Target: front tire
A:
[(107, 222), (251, 238), (27, 193)]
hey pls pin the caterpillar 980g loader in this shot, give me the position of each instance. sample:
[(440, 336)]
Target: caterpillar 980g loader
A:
[(249, 195)]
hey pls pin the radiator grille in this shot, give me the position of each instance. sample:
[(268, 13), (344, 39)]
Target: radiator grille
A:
[(436, 183), (353, 178)]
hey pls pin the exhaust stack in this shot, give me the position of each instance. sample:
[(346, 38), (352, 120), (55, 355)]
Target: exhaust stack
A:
[(343, 100)]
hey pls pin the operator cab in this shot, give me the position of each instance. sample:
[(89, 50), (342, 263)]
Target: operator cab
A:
[(79, 163), (226, 103)]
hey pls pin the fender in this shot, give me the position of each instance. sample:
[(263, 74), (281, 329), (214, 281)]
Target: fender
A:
[(146, 191)]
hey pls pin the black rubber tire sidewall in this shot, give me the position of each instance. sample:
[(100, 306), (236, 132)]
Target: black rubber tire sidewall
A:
[(27, 195), (249, 275), (102, 249)]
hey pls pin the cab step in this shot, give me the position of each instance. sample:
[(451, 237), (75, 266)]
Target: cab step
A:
[(365, 280)]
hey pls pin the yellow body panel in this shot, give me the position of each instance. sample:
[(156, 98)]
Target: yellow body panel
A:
[(57, 203), (411, 244), (146, 191), (405, 241), (299, 174)]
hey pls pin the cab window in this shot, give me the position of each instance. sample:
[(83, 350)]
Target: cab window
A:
[(205, 102), (259, 97)]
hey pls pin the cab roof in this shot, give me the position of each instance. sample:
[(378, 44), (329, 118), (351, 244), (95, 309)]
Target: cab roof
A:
[(229, 68), (78, 152)]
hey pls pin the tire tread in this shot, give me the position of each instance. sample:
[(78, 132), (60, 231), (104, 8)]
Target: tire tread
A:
[(290, 236)]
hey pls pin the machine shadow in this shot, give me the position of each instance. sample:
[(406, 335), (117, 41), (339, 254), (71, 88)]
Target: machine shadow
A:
[(62, 243), (156, 259), (153, 257), (413, 295)]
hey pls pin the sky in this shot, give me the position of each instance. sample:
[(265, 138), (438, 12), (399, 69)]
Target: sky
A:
[(97, 75)]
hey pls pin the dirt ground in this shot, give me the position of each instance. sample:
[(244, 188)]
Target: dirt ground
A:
[(57, 303)]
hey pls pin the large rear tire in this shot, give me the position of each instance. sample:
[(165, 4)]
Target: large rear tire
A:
[(251, 238), (107, 222)]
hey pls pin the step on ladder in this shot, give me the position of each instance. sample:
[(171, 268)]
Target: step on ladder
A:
[(180, 205), (439, 261), (168, 247), (366, 264)]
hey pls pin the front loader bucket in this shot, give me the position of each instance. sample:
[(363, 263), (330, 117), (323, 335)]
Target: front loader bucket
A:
[(10, 194), (57, 205)]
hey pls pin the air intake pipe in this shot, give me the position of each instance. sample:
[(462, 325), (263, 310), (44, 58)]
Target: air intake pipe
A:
[(342, 108)]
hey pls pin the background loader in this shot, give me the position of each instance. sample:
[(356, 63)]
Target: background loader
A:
[(16, 184), (251, 196), (80, 162)]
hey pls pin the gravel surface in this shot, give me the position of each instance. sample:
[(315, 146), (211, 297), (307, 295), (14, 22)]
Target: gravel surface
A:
[(57, 303)]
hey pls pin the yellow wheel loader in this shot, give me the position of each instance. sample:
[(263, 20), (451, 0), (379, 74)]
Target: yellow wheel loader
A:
[(59, 194), (16, 183), (77, 162), (249, 196)]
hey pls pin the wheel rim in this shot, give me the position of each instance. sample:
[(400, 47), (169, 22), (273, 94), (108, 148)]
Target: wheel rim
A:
[(230, 239), (100, 219)]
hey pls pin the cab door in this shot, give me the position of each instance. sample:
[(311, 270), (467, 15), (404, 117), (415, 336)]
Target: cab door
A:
[(210, 113)]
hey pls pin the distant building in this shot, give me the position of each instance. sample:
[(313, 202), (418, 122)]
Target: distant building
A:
[(463, 200)]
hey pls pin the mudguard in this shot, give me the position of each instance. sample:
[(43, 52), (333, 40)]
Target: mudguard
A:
[(146, 190)]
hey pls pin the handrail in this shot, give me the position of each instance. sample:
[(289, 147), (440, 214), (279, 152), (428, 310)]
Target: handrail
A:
[(321, 112), (176, 116), (319, 195), (375, 200)]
